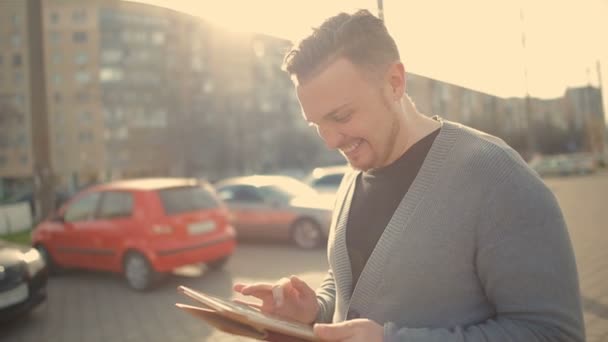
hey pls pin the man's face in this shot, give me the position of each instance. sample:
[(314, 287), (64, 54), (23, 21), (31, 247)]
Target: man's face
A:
[(352, 113)]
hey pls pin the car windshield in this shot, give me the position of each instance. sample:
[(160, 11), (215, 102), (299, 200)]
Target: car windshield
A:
[(186, 199)]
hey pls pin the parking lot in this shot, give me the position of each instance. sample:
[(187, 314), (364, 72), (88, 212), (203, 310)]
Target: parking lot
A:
[(88, 306)]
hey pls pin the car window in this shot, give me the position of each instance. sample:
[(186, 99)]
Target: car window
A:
[(116, 204), (275, 194), (240, 194), (186, 199), (83, 209), (333, 180)]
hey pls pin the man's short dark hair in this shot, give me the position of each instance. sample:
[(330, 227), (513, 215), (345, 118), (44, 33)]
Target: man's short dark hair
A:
[(361, 38)]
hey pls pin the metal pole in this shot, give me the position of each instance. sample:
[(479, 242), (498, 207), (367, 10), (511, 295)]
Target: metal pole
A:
[(530, 139), (42, 171), (380, 10)]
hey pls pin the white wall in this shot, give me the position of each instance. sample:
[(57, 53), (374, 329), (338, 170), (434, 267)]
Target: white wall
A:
[(15, 218)]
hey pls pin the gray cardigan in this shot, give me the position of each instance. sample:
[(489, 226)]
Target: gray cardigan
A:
[(476, 251)]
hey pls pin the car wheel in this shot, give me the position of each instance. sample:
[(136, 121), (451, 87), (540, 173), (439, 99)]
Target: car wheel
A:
[(138, 272), (306, 233), (217, 264), (51, 265)]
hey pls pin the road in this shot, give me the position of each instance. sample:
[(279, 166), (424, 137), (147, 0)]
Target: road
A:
[(88, 306)]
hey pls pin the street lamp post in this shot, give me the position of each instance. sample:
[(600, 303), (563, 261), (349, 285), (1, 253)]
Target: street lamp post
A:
[(380, 10), (530, 140)]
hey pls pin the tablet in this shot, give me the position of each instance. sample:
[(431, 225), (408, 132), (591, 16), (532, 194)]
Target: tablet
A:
[(249, 315)]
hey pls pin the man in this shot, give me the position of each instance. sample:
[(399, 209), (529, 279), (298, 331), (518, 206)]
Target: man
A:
[(442, 234)]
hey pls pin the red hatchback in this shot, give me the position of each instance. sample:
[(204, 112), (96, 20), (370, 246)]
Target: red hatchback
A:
[(141, 228)]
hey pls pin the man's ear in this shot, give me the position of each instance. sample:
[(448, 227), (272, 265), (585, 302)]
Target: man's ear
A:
[(395, 77)]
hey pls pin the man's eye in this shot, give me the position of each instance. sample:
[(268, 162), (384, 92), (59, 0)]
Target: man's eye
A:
[(343, 117)]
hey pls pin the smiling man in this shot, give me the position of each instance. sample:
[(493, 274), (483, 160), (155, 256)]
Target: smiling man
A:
[(442, 233)]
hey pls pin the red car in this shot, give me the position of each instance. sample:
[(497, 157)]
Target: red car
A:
[(142, 228)]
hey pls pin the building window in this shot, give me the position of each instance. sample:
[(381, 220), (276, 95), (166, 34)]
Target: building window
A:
[(24, 160), (55, 37), (18, 78), (110, 75), (82, 96), (59, 118), (20, 141), (111, 56), (86, 117), (82, 77), (79, 16), (54, 18), (16, 18), (81, 58), (57, 97), (85, 136), (16, 40), (20, 100), (157, 38), (1, 59), (3, 160), (56, 79), (17, 60), (56, 58), (79, 37), (59, 138)]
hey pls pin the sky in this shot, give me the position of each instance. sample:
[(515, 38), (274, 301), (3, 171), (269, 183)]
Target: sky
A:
[(471, 43)]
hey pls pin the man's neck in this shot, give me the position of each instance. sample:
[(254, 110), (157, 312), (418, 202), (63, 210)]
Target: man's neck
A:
[(414, 127)]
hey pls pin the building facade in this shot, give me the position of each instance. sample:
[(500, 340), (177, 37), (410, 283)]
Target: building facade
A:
[(134, 90)]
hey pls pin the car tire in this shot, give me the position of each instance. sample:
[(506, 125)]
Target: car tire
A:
[(218, 264), (52, 267), (138, 271), (306, 234)]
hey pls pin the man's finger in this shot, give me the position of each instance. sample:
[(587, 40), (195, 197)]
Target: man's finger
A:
[(238, 287), (301, 286), (253, 305), (278, 291), (334, 332), (248, 290)]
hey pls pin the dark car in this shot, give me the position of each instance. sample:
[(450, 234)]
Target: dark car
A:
[(23, 277)]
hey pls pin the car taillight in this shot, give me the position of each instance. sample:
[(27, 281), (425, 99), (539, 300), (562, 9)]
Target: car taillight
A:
[(162, 229)]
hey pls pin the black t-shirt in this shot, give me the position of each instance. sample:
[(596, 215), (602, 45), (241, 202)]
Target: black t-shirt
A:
[(377, 196)]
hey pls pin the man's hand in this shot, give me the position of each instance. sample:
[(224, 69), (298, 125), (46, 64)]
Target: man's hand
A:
[(290, 298), (356, 330)]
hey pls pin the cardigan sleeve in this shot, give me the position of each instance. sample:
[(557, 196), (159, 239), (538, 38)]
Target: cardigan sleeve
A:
[(326, 297)]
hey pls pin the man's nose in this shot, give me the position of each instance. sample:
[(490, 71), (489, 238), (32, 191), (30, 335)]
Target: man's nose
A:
[(332, 138)]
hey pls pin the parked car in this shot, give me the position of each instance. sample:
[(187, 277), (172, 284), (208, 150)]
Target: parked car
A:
[(23, 277), (585, 163), (277, 207), (564, 165), (142, 228), (327, 179)]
